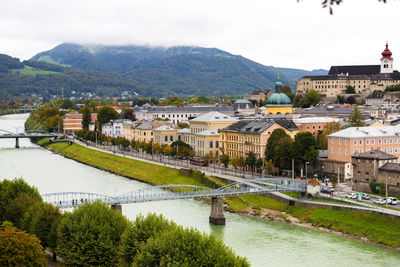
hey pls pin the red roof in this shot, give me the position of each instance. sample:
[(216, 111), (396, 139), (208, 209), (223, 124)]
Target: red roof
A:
[(313, 182), (387, 53)]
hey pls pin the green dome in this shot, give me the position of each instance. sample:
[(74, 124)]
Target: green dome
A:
[(279, 99), (278, 83)]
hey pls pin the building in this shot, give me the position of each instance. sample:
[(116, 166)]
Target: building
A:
[(176, 114), (244, 137), (278, 102), (313, 125), (165, 134), (114, 128), (375, 99), (207, 142), (376, 168), (144, 132), (259, 95), (331, 110), (73, 122), (343, 144), (243, 107), (364, 78)]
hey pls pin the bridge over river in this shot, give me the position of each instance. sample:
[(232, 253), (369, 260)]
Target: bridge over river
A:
[(172, 192), (27, 134)]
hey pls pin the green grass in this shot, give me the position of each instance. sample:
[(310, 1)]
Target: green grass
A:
[(50, 60), (292, 194), (239, 204), (44, 141), (378, 228), (33, 72), (138, 170)]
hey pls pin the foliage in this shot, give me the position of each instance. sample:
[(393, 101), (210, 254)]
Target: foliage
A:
[(350, 90), (18, 248), (183, 125), (304, 147), (273, 139), (356, 118), (16, 197), (311, 98), (128, 114), (374, 188), (107, 113), (334, 180), (90, 235), (86, 117), (282, 156), (42, 219), (288, 91), (177, 247), (393, 88), (330, 127), (137, 234), (47, 117), (201, 99), (340, 99), (172, 101), (224, 159), (351, 100), (251, 160)]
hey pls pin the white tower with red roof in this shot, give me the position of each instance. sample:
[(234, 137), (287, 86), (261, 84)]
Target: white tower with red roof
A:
[(386, 61)]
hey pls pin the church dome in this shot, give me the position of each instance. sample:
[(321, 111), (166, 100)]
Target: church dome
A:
[(387, 53), (279, 99)]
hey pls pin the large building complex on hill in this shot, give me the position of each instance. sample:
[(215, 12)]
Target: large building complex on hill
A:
[(364, 78)]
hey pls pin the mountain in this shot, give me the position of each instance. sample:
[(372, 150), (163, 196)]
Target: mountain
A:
[(174, 70)]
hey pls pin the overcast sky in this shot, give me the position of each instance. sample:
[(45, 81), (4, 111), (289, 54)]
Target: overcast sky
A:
[(283, 33)]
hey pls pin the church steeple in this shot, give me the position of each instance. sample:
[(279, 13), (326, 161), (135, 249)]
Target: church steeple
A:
[(278, 85), (387, 60)]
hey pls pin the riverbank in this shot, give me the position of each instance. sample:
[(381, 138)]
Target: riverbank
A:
[(378, 229)]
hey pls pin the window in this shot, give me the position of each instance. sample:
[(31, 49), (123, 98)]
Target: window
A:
[(385, 150), (211, 144), (332, 140), (379, 141), (367, 149), (385, 141), (347, 141), (373, 142), (166, 138), (216, 144), (361, 142), (340, 151), (391, 141), (395, 150), (346, 151), (355, 151), (340, 141), (355, 142), (367, 141), (333, 150), (361, 150), (391, 150)]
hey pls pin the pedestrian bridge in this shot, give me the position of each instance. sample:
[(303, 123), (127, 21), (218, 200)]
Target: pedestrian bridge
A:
[(173, 192), (27, 134)]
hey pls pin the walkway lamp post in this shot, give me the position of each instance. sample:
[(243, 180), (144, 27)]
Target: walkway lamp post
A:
[(306, 170)]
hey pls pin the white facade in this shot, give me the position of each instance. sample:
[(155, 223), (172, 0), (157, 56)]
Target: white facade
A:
[(113, 128)]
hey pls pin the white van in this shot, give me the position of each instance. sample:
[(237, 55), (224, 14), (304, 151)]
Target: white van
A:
[(392, 200)]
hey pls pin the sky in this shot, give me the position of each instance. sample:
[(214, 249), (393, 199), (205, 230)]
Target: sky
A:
[(281, 33)]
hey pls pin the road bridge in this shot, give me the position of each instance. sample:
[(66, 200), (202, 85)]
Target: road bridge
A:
[(27, 134), (173, 192)]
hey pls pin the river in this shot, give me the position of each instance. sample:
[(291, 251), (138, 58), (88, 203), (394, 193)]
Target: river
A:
[(264, 243)]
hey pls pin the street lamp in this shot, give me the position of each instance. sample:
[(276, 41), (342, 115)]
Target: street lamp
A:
[(306, 170)]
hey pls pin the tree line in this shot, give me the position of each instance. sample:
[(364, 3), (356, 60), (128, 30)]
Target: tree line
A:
[(93, 234)]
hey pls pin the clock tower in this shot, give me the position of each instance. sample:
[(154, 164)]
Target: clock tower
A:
[(386, 61)]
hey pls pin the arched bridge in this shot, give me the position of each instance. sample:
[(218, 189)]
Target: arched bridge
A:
[(172, 192), (27, 134)]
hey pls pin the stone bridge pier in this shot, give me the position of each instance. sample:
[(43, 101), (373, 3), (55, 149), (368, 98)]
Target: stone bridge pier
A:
[(217, 211)]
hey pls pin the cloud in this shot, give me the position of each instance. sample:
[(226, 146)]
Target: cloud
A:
[(280, 32)]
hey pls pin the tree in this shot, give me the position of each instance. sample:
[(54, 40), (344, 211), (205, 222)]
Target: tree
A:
[(242, 162), (356, 118), (209, 251), (137, 234), (350, 90), (287, 91), (86, 117), (224, 159), (340, 99), (18, 248), (128, 114), (273, 139), (351, 100), (39, 220), (235, 161), (334, 180), (282, 156), (90, 235), (302, 145), (16, 197), (107, 113), (312, 98), (322, 137), (183, 125), (251, 160)]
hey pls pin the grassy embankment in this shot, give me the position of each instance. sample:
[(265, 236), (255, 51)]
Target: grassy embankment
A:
[(377, 228), (31, 71)]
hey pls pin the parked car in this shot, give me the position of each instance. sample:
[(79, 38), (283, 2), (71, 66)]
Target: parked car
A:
[(392, 200), (365, 196), (325, 190), (378, 200), (331, 188), (351, 195)]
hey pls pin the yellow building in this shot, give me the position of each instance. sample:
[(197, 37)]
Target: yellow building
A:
[(244, 137), (165, 135), (278, 102), (144, 131)]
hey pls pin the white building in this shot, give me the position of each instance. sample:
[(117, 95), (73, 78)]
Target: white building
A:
[(114, 128)]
